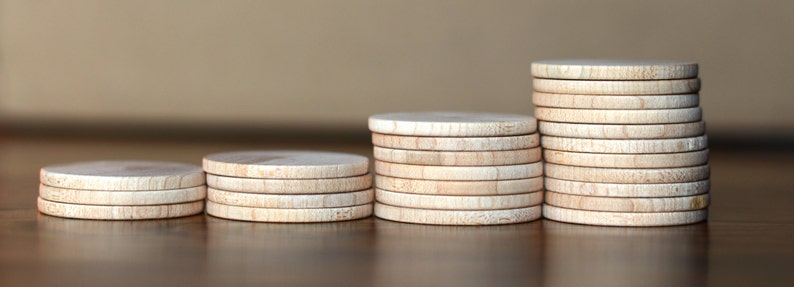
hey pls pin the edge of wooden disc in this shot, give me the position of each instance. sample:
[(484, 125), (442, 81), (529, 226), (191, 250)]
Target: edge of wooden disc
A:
[(593, 69), (608, 102), (290, 186), (623, 218), (291, 201), (103, 212), (456, 144), (286, 164), (458, 158), (457, 217), (628, 189), (446, 187), (297, 215), (598, 131), (608, 160), (581, 116), (611, 87), (452, 202), (463, 173), (625, 175), (116, 197), (126, 175), (452, 124), (623, 204), (627, 146)]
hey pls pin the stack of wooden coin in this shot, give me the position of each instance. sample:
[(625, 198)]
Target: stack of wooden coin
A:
[(122, 190), (624, 142), (452, 168), (288, 186)]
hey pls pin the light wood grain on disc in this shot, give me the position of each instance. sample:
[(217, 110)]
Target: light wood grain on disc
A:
[(456, 144), (628, 190), (301, 215), (292, 201), (456, 202), (452, 124), (592, 69), (103, 212), (446, 187), (655, 87), (457, 217), (599, 131), (619, 146), (435, 172), (625, 175), (624, 204), (665, 116), (624, 102), (458, 158), (623, 218), (286, 164), (290, 186), (661, 160), (117, 197), (123, 175)]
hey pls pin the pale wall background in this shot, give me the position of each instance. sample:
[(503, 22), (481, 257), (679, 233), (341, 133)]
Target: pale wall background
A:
[(333, 63)]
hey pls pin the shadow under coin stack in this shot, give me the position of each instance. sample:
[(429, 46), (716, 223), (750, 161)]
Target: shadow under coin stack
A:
[(122, 190), (288, 186), (451, 168), (623, 141)]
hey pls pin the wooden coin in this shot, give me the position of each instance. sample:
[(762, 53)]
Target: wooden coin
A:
[(290, 186), (663, 204), (103, 212), (458, 158), (623, 218), (453, 202), (123, 175), (651, 160), (606, 102), (628, 190), (597, 131), (625, 175), (286, 164), (631, 146), (297, 215), (457, 217), (579, 87), (665, 116), (445, 187), (452, 124), (592, 69), (291, 201), (435, 172), (456, 144), (116, 197)]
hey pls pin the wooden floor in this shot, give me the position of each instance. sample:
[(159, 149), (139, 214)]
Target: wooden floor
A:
[(748, 241)]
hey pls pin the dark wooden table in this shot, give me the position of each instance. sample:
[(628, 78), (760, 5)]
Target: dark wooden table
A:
[(748, 240)]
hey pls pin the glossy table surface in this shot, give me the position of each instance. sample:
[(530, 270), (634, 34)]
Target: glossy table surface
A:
[(748, 240)]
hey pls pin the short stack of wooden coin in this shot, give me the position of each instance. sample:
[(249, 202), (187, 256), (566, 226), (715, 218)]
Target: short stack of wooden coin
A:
[(122, 190), (623, 141), (449, 168), (288, 186)]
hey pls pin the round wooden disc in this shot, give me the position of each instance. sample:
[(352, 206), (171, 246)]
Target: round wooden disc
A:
[(452, 124), (457, 217), (116, 197), (456, 144), (650, 160), (623, 218), (665, 116), (626, 204), (625, 175), (579, 87), (445, 187), (290, 186), (458, 158), (286, 164), (435, 172), (606, 102), (628, 190), (123, 175), (103, 212), (300, 215), (453, 202), (291, 201), (631, 146), (592, 69), (594, 131)]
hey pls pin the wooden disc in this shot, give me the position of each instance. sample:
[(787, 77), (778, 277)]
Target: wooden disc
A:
[(457, 217), (445, 187), (452, 124), (623, 218), (456, 144), (103, 212), (290, 186), (123, 175), (579, 87), (631, 146), (291, 201), (628, 190), (625, 175), (457, 202), (665, 116), (606, 102), (300, 215), (435, 172), (286, 164), (592, 69), (595, 131), (458, 158), (627, 204), (116, 197), (651, 160)]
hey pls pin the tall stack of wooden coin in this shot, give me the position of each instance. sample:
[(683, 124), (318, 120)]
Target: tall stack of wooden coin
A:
[(624, 142), (451, 168), (122, 190), (288, 186)]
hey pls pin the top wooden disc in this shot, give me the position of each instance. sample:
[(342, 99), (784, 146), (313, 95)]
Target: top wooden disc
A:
[(286, 164), (591, 69), (123, 175), (452, 124)]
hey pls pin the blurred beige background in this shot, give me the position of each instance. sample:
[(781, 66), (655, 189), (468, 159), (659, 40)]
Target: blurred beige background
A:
[(330, 64)]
